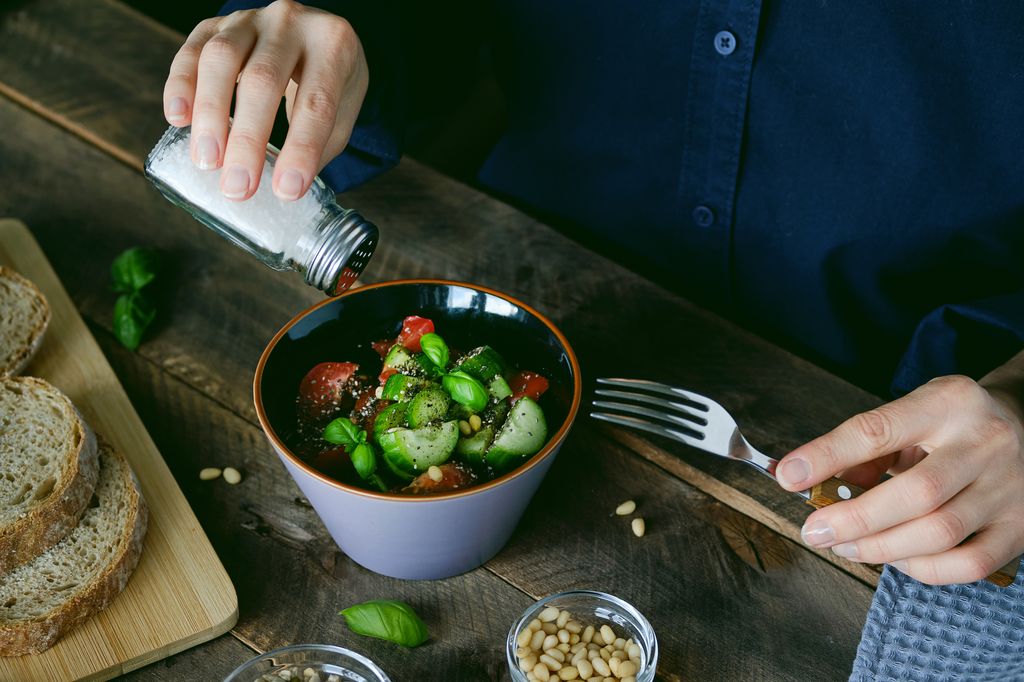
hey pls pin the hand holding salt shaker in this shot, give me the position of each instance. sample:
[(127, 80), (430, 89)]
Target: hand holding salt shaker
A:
[(312, 235)]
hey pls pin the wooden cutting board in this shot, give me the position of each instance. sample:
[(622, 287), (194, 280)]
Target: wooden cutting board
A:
[(180, 594)]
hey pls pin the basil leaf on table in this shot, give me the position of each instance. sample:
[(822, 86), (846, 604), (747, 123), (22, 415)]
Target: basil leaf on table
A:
[(133, 312), (342, 431), (434, 347), (465, 390), (134, 269), (387, 619)]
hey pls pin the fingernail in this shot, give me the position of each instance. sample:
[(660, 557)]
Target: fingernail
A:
[(235, 183), (290, 185), (846, 550), (207, 152), (900, 565), (176, 109), (817, 534), (793, 471)]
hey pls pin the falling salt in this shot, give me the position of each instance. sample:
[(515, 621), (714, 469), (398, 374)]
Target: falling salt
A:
[(263, 219)]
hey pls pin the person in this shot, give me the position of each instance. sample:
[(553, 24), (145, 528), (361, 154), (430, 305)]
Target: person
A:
[(861, 159)]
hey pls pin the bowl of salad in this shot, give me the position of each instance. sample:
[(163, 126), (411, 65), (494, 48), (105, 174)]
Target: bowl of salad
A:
[(418, 417)]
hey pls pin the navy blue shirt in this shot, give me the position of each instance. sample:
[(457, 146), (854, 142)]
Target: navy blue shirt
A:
[(844, 177)]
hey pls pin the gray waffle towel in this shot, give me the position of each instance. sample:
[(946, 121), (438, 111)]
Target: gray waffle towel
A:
[(918, 632)]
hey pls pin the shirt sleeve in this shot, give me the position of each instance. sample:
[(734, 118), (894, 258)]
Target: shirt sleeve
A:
[(376, 142), (971, 338)]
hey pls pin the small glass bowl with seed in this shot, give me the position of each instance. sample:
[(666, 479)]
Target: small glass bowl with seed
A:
[(582, 635), (309, 663)]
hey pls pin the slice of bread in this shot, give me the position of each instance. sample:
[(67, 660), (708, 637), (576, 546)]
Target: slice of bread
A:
[(48, 468), (44, 599), (24, 316)]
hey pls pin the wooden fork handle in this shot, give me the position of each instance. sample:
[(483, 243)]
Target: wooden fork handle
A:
[(836, 490)]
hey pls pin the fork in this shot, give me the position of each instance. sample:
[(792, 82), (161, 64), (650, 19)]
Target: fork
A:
[(699, 422), (702, 423)]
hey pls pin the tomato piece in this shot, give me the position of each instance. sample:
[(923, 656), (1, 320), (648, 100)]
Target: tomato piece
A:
[(413, 329), (382, 347), (529, 384), (453, 477), (386, 373), (323, 387)]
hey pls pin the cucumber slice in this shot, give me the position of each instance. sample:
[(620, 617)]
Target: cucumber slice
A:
[(472, 448), (499, 388), (397, 358), (495, 413), (410, 452), (407, 362), (429, 405), (401, 387), (390, 417), (524, 433), (484, 363)]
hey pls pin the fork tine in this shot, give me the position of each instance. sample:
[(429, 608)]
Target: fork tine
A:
[(701, 402), (644, 425), (655, 414), (685, 410)]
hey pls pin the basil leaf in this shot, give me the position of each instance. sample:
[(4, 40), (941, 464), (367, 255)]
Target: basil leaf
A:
[(342, 431), (387, 619), (436, 349), (134, 269), (465, 390), (132, 314), (363, 459)]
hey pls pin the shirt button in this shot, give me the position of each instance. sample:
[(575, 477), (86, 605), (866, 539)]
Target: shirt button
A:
[(703, 216), (725, 43)]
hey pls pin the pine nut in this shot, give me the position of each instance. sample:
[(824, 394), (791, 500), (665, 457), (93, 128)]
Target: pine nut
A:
[(568, 673), (574, 627), (563, 618), (527, 663), (628, 678), (550, 642), (588, 634), (574, 639), (579, 646), (619, 654), (464, 427), (556, 654), (627, 669), (619, 643), (626, 508), (535, 624), (586, 670), (435, 474), (552, 664), (537, 640), (639, 527), (232, 476), (530, 677), (523, 651), (563, 647), (613, 663), (541, 672), (633, 650), (605, 655), (607, 634), (209, 473), (475, 422), (601, 667), (563, 636), (524, 637), (549, 628)]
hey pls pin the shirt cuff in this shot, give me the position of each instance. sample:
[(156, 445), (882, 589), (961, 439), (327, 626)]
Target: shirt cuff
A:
[(971, 338)]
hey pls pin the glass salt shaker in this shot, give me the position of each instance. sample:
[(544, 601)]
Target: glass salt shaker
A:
[(312, 235)]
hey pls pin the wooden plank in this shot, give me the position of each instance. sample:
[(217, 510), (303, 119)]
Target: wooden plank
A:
[(211, 661), (179, 595)]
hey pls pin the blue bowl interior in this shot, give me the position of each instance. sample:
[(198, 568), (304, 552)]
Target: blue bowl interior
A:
[(343, 329)]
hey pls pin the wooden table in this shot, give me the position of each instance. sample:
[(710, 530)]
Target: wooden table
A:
[(721, 574)]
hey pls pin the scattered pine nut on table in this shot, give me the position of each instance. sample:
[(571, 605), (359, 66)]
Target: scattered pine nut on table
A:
[(626, 508), (209, 473), (232, 475)]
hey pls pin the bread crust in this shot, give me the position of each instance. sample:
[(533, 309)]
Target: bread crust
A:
[(46, 524), (25, 354), (39, 634)]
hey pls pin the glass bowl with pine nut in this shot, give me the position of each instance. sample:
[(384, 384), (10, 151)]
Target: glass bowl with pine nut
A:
[(582, 635), (309, 663)]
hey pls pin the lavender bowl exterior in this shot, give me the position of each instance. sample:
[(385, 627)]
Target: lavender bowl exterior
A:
[(451, 536), (418, 537)]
